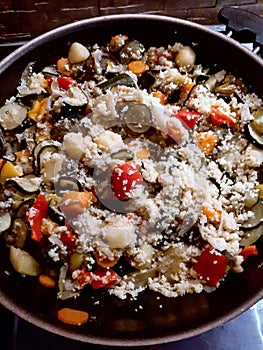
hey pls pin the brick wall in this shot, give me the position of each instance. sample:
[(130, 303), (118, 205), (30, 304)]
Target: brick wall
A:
[(24, 19)]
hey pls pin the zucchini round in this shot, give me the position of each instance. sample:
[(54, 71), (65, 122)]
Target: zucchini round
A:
[(256, 219), (5, 222), (123, 154), (138, 118), (24, 207), (41, 150), (12, 115), (65, 184), (55, 214), (255, 138), (18, 233), (251, 236), (27, 184)]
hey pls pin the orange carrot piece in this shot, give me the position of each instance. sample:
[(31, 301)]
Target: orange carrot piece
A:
[(161, 96), (206, 142), (137, 67), (213, 215), (64, 66), (47, 281), (143, 154), (72, 316), (74, 203), (104, 261)]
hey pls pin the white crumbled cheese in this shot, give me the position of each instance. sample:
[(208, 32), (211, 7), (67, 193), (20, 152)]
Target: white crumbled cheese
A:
[(109, 141), (119, 233), (184, 192), (74, 145), (34, 85)]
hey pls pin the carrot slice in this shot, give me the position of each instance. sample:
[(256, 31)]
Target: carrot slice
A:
[(206, 142), (137, 67), (73, 203), (103, 261), (64, 66), (72, 316), (161, 96), (47, 281)]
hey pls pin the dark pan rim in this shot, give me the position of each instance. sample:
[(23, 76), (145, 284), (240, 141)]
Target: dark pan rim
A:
[(181, 335)]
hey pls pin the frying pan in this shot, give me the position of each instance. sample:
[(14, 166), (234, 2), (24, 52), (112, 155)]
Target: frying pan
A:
[(152, 318)]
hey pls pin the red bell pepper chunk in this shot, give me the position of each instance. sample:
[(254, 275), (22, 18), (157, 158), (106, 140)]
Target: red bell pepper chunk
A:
[(249, 250), (68, 238), (125, 177), (36, 214), (220, 118), (65, 82), (211, 266), (104, 278), (190, 118), (99, 278), (166, 55)]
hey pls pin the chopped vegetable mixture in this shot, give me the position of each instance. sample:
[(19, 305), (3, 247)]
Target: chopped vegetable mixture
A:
[(125, 168)]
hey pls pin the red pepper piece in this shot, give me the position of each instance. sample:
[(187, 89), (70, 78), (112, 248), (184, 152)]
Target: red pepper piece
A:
[(36, 214), (249, 250), (211, 266), (104, 278), (65, 82), (190, 118), (220, 118), (68, 238), (125, 178), (99, 278)]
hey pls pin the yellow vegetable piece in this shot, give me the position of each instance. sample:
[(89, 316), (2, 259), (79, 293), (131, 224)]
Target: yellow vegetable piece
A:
[(260, 188), (8, 171), (213, 215), (206, 141), (38, 110)]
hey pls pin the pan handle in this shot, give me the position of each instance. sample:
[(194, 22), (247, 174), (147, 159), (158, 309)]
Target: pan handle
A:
[(245, 26)]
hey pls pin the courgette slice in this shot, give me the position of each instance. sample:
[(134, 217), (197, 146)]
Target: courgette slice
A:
[(50, 70), (40, 152), (253, 136), (24, 207), (27, 184), (55, 214), (138, 118), (2, 144), (120, 79), (5, 222), (18, 233), (65, 184), (12, 115), (73, 111), (256, 219), (251, 236), (123, 154)]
